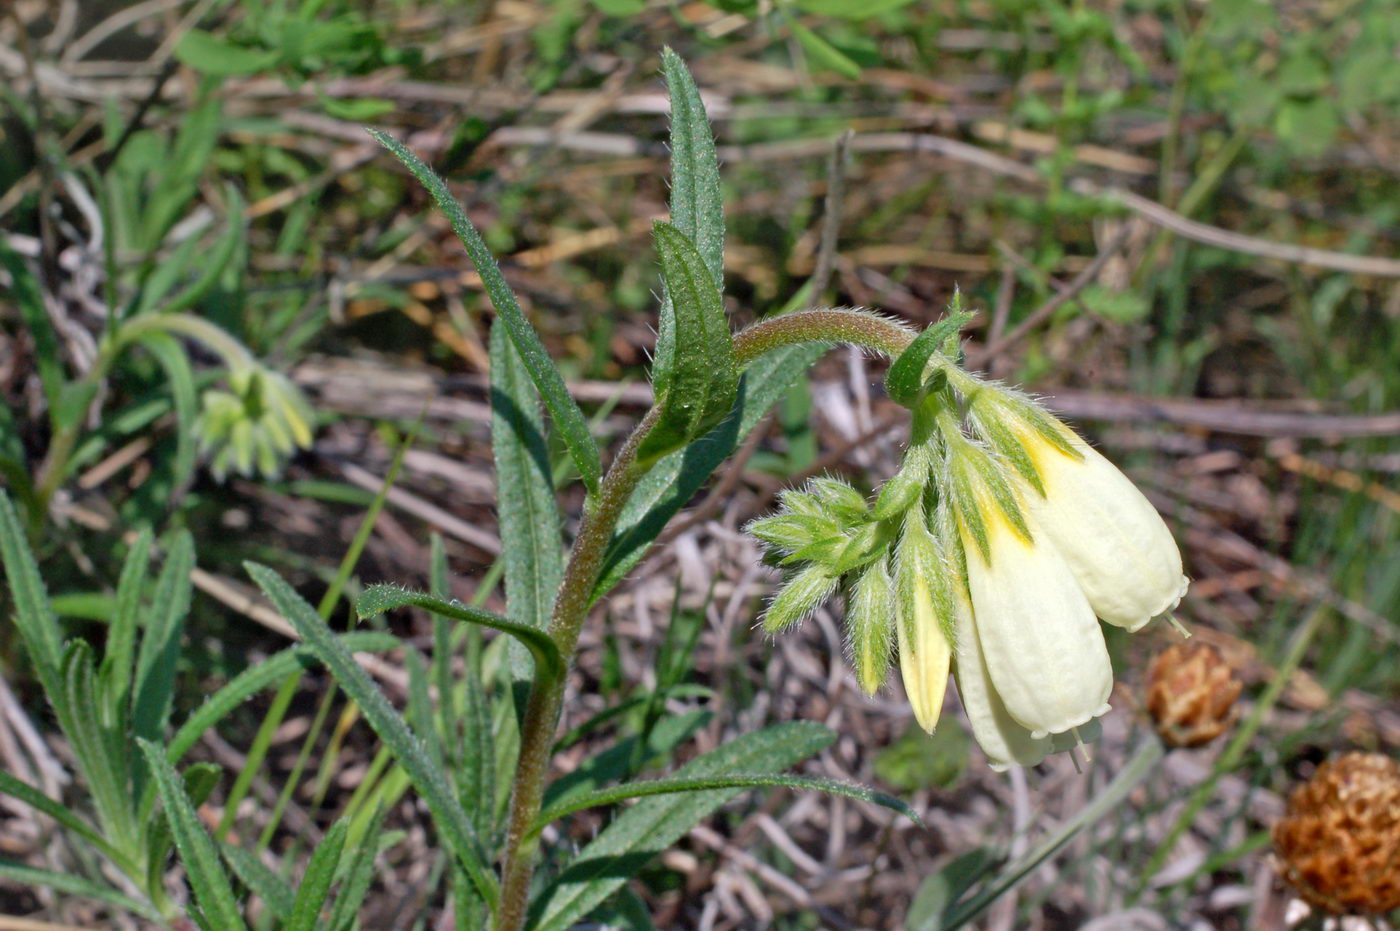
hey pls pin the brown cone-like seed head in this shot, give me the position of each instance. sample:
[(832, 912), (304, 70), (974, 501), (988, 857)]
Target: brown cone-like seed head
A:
[(1339, 840), (1191, 694)]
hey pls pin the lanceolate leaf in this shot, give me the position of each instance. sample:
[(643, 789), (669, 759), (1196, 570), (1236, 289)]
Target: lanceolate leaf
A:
[(697, 205), (201, 860), (649, 827), (26, 875), (380, 598), (529, 514), (703, 377), (261, 676), (675, 479), (316, 882), (36, 622), (37, 800), (615, 794), (274, 891), (905, 380), (448, 817), (115, 671), (569, 420), (160, 645)]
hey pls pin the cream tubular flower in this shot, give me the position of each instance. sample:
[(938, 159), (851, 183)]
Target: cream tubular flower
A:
[(922, 609), (1044, 651), (1113, 539), (1001, 736)]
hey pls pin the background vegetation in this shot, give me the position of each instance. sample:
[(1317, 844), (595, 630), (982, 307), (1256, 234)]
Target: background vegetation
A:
[(1175, 220)]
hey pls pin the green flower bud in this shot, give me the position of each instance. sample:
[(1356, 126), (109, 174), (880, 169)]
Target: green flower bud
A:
[(870, 621), (789, 533), (840, 500), (798, 598)]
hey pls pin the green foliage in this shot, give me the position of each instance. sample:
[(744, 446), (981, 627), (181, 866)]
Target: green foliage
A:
[(700, 385), (568, 419), (652, 825)]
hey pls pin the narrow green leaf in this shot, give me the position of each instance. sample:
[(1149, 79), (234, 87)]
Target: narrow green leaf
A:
[(378, 599), (115, 671), (419, 712), (448, 817), (217, 259), (525, 503), (274, 891), (171, 356), (943, 888), (649, 827), (354, 884), (316, 881), (476, 781), (674, 480), (101, 752), (703, 379), (904, 382), (697, 204), (823, 54), (261, 676), (626, 757), (160, 644), (615, 794), (36, 622), (569, 420), (37, 800), (201, 860), (209, 54), (67, 883)]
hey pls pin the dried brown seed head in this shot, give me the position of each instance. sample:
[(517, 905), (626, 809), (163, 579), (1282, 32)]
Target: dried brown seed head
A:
[(1339, 840), (1191, 692)]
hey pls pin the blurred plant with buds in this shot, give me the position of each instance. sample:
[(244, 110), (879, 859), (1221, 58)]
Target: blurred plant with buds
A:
[(993, 552), (256, 425)]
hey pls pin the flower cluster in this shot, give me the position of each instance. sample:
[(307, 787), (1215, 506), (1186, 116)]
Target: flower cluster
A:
[(256, 425), (993, 553)]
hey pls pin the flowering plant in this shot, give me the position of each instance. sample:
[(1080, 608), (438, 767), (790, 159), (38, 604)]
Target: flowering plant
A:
[(992, 551)]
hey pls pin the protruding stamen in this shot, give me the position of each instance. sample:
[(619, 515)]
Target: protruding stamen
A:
[(1180, 627)]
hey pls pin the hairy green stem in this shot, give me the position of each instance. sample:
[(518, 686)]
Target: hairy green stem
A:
[(542, 712), (841, 325), (547, 693)]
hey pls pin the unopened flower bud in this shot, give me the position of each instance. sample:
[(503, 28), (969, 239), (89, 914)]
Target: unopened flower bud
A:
[(840, 500), (798, 598), (870, 623), (923, 618), (1339, 840), (1191, 693)]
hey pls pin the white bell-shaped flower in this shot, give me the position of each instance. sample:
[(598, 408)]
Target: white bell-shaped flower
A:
[(1005, 741), (1113, 539), (1042, 644), (1044, 651)]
